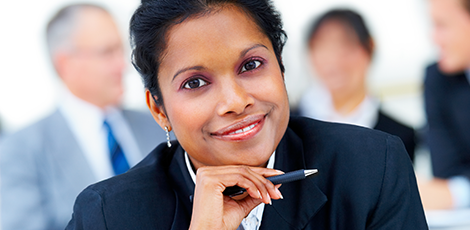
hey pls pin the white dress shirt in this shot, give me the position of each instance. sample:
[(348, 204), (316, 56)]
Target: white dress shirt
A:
[(258, 210), (317, 103), (86, 121)]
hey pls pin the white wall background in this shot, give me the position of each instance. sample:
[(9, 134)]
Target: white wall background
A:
[(29, 86)]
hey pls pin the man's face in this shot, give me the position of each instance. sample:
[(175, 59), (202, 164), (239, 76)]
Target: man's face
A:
[(452, 34), (93, 70)]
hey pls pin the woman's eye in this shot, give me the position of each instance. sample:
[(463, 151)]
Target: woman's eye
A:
[(251, 65), (194, 83)]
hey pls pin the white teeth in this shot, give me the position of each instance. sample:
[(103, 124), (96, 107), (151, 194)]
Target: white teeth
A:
[(249, 127), (244, 129)]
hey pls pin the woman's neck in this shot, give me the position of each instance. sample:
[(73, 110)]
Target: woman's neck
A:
[(346, 102)]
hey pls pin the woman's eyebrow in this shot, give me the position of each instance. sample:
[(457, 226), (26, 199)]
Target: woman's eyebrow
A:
[(245, 51), (187, 69)]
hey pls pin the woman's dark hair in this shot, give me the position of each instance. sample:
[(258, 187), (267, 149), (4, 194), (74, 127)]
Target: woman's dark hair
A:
[(349, 19), (152, 20)]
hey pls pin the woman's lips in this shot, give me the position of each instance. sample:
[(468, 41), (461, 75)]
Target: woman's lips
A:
[(241, 130)]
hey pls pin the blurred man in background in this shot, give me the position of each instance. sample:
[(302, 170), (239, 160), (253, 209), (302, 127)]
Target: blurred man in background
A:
[(447, 98), (87, 139)]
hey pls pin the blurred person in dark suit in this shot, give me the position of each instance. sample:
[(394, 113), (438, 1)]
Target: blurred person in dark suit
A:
[(341, 50), (447, 99), (87, 139)]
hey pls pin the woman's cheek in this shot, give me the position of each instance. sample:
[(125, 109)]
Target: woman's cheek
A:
[(276, 85), (193, 110)]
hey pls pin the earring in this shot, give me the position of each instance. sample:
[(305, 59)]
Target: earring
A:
[(168, 143)]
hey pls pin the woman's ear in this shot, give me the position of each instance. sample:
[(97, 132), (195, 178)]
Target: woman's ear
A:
[(157, 111)]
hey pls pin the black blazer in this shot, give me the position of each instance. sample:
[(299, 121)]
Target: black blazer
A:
[(447, 100), (366, 181)]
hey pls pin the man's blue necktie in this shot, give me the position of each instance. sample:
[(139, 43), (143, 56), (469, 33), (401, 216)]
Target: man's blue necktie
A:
[(118, 160)]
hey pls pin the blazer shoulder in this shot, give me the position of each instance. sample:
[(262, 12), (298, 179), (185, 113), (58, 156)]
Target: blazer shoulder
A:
[(137, 113), (145, 129), (406, 133), (138, 116), (311, 128), (33, 134), (140, 120), (389, 125), (130, 199), (436, 79), (150, 173)]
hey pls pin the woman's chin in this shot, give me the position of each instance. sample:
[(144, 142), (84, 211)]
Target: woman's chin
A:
[(252, 160)]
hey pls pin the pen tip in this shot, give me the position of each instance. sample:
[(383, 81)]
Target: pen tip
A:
[(309, 172)]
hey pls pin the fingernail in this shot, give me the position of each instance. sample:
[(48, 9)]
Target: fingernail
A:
[(269, 197), (259, 195), (279, 193)]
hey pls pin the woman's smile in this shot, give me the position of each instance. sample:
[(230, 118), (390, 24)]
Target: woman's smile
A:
[(242, 130)]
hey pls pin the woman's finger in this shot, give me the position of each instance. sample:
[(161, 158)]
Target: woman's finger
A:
[(252, 179), (270, 190)]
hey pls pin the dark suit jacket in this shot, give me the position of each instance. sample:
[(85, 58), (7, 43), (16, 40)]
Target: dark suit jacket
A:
[(405, 133), (366, 181), (43, 169), (447, 101)]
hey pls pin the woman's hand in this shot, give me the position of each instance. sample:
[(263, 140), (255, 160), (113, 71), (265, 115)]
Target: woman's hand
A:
[(213, 210)]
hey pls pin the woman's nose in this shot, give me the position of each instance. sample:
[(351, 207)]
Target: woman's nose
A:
[(234, 98)]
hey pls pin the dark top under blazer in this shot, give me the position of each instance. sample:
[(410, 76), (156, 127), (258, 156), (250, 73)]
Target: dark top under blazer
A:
[(447, 100), (365, 181), (405, 133), (389, 125)]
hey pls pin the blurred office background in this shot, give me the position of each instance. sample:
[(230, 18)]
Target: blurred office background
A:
[(29, 86), (28, 83), (401, 28)]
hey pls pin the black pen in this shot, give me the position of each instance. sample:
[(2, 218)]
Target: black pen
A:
[(279, 179)]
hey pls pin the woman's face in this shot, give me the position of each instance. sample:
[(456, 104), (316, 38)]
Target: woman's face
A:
[(223, 90), (338, 58)]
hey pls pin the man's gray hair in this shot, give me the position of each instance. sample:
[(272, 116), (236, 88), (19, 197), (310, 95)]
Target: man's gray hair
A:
[(62, 26)]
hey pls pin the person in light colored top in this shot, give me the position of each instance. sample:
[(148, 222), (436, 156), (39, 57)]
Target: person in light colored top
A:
[(45, 165), (447, 99), (341, 49)]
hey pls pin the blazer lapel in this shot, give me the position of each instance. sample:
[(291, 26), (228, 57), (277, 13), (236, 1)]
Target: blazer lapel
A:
[(68, 155), (302, 199)]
